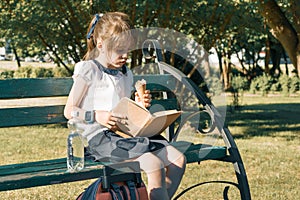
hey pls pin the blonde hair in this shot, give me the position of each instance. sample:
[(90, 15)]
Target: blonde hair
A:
[(108, 28)]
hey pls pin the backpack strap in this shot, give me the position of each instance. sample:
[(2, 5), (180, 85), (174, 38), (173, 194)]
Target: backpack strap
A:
[(113, 194), (117, 190), (91, 191), (132, 190), (125, 192)]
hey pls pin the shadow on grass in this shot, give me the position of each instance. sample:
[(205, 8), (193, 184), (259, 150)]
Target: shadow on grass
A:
[(280, 120)]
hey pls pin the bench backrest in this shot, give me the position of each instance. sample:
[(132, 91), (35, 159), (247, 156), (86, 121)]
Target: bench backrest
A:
[(60, 87)]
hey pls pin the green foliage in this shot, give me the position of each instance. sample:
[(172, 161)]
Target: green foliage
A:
[(275, 87), (261, 83), (284, 84), (34, 72), (288, 85), (239, 83), (215, 85), (41, 72), (264, 84), (23, 72), (58, 28), (253, 86), (7, 74), (294, 84), (61, 72), (36, 27)]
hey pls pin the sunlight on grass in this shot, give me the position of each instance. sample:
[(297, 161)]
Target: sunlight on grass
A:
[(23, 144), (266, 130)]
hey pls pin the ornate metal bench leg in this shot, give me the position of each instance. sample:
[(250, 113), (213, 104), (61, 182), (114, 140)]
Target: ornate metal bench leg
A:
[(225, 193), (238, 166)]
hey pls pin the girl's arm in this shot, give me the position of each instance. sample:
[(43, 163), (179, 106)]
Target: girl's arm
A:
[(76, 94)]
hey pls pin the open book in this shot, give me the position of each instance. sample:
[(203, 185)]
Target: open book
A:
[(140, 122)]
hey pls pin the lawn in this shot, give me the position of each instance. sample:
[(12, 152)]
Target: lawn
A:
[(266, 130)]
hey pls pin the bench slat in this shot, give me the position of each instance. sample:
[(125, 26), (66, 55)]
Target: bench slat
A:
[(43, 178), (49, 172), (32, 116), (54, 114), (34, 87), (50, 87), (163, 104), (11, 169), (200, 152), (156, 82), (40, 166), (34, 167)]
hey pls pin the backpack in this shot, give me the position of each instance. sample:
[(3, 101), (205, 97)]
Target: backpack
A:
[(117, 183)]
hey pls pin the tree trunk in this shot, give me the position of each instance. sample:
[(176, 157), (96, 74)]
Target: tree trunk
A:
[(267, 54), (298, 64), (226, 69), (282, 30), (17, 57)]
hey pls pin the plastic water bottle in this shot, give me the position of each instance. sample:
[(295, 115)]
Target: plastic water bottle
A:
[(75, 148)]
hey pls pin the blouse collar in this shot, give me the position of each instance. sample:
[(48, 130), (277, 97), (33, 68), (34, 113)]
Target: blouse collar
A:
[(109, 70)]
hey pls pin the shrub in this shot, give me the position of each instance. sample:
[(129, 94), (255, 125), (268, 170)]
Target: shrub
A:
[(214, 85), (41, 72), (23, 72), (294, 84), (284, 82), (264, 84), (288, 85), (35, 72), (239, 83), (275, 86), (254, 86), (60, 72), (7, 74)]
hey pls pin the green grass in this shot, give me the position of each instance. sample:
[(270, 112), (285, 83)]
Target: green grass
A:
[(266, 130)]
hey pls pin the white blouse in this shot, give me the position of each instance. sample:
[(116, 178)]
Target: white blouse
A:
[(104, 90)]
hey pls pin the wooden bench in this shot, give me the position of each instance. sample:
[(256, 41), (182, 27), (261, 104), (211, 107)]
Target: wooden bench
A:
[(163, 86)]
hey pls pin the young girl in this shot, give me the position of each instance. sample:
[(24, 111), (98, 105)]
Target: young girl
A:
[(100, 81)]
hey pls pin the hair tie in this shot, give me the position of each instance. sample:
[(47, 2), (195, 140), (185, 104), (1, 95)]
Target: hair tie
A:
[(97, 18)]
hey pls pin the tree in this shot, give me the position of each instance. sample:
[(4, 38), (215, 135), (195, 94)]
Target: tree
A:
[(57, 27), (285, 26)]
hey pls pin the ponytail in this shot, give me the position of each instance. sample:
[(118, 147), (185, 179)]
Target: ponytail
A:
[(104, 27), (91, 43)]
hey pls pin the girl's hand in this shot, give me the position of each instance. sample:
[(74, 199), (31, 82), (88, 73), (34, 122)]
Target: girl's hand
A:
[(108, 119), (145, 100)]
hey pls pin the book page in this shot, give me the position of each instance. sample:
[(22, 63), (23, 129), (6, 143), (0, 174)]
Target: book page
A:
[(159, 122), (140, 122), (165, 112), (136, 116)]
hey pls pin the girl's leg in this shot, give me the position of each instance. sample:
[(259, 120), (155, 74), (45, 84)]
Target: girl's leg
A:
[(156, 174), (175, 163)]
